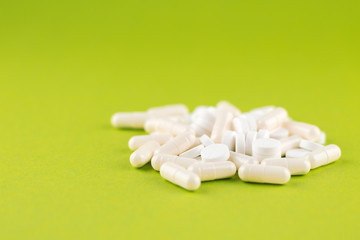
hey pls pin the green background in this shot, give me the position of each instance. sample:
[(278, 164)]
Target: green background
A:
[(67, 66)]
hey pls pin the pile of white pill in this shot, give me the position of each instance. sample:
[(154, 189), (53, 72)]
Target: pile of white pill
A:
[(263, 145)]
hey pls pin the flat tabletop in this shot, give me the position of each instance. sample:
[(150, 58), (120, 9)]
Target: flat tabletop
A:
[(66, 67)]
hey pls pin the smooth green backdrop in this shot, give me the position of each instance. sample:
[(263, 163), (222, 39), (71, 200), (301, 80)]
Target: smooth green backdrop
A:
[(67, 66)]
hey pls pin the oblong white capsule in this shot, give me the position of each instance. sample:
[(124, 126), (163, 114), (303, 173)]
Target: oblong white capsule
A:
[(212, 171), (264, 174), (129, 119), (168, 110), (136, 141), (289, 143), (222, 122), (225, 105), (159, 159), (215, 153), (324, 155), (165, 126), (179, 144), (205, 140), (296, 166), (180, 176), (272, 120), (240, 159), (303, 130), (144, 154)]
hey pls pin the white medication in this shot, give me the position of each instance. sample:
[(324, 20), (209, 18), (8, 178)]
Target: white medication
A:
[(212, 171), (179, 144), (280, 133), (205, 140), (193, 152), (240, 143), (136, 141), (296, 166), (144, 153), (129, 120), (225, 105), (263, 133), (261, 111), (180, 176), (322, 138), (240, 125), (240, 159), (165, 126), (308, 145), (249, 142), (199, 131), (222, 123), (296, 153), (229, 140), (264, 174), (304, 130), (159, 159), (266, 148), (272, 120), (324, 155), (215, 153), (168, 110), (289, 143)]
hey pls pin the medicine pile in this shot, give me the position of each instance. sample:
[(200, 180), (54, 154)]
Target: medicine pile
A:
[(263, 145)]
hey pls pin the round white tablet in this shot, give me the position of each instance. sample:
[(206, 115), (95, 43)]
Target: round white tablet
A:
[(193, 153), (267, 146), (249, 142), (308, 145), (229, 140), (297, 153), (280, 133), (240, 143), (215, 153)]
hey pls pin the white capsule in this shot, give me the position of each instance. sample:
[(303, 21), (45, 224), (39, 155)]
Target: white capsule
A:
[(289, 143), (296, 153), (261, 111), (205, 140), (249, 142), (296, 166), (165, 126), (222, 123), (159, 159), (240, 143), (263, 133), (168, 110), (264, 174), (199, 131), (212, 171), (144, 154), (225, 105), (280, 133), (308, 145), (266, 148), (322, 138), (136, 141), (179, 144), (273, 120), (205, 123), (215, 153), (240, 159), (129, 119), (229, 140), (193, 152), (304, 130), (180, 176), (324, 155)]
